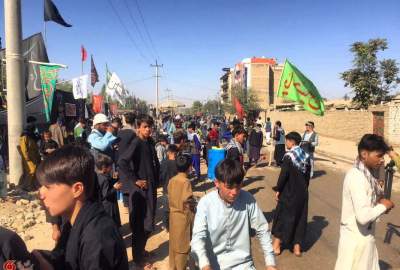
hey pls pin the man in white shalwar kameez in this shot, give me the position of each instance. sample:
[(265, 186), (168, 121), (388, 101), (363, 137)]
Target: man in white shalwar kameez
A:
[(362, 205)]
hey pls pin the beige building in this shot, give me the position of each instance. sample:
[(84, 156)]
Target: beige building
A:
[(258, 75)]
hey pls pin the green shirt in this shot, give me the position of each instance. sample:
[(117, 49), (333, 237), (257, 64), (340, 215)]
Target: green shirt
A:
[(78, 130)]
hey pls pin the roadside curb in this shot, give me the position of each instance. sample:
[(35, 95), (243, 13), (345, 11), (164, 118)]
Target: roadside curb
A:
[(335, 156)]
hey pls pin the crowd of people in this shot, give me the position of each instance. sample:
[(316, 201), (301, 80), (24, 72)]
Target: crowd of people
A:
[(80, 177)]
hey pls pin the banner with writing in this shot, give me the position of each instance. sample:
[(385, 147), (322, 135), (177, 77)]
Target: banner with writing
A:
[(48, 77), (297, 87)]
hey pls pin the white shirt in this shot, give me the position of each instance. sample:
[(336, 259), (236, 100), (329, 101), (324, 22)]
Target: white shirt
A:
[(357, 249)]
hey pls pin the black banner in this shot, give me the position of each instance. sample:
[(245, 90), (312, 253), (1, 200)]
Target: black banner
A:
[(33, 48)]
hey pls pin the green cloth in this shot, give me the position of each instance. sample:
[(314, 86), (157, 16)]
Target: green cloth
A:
[(78, 130), (48, 78), (297, 87)]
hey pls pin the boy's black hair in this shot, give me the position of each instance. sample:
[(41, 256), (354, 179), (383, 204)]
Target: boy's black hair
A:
[(68, 165), (268, 118), (172, 148), (294, 136), (229, 172), (117, 120), (238, 130), (179, 136), (31, 119), (144, 118), (103, 161), (259, 125), (310, 123), (278, 123), (163, 138), (192, 126), (372, 142), (130, 118), (183, 162)]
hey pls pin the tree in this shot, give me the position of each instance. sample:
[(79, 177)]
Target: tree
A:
[(247, 99), (211, 107), (346, 97), (370, 79), (135, 104), (196, 107), (64, 85)]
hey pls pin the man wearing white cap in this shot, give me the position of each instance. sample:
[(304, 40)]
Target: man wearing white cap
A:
[(101, 137)]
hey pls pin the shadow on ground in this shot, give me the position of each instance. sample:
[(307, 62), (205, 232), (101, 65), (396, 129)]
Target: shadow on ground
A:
[(319, 173), (314, 231), (324, 159), (255, 190), (251, 179), (269, 216), (384, 265)]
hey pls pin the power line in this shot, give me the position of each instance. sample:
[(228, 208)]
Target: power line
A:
[(137, 27), (146, 29), (127, 32), (140, 80)]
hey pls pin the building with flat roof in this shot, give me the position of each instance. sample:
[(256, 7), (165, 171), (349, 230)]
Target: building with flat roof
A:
[(259, 75)]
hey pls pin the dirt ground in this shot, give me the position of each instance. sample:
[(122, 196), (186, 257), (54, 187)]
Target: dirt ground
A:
[(38, 236)]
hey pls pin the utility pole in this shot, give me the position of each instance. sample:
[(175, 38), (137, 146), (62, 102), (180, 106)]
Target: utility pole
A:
[(157, 66), (15, 86), (168, 93)]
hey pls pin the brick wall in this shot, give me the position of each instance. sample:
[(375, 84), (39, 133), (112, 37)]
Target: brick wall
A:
[(259, 83), (393, 130), (345, 125)]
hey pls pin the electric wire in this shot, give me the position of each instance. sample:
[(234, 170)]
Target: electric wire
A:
[(127, 32), (146, 29), (138, 29)]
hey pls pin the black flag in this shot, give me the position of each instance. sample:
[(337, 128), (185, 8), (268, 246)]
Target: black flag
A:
[(94, 76), (51, 14)]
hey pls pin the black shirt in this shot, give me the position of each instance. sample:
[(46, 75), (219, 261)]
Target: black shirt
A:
[(93, 242)]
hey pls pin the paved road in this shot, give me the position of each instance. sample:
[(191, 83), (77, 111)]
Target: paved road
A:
[(324, 215)]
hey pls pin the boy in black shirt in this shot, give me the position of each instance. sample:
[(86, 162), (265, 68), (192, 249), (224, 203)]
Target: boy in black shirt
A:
[(47, 144), (89, 239), (138, 166), (13, 252), (167, 171), (108, 187)]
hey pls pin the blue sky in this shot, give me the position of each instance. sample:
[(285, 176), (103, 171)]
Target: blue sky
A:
[(194, 39)]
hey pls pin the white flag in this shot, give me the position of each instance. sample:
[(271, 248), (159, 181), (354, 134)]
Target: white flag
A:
[(80, 86), (115, 88)]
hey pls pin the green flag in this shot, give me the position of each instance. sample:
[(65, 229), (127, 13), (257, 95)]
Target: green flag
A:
[(48, 78), (296, 87)]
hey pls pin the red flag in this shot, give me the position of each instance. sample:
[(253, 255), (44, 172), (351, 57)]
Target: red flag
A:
[(83, 54), (238, 107), (97, 103)]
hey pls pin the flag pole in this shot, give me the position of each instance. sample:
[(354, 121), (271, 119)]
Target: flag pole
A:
[(44, 26), (45, 34), (280, 77), (47, 64)]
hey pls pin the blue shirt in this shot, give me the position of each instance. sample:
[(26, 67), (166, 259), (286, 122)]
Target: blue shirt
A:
[(99, 141), (221, 232)]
